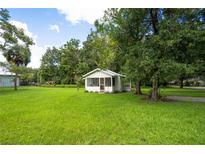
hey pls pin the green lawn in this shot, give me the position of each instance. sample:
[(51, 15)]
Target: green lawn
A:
[(67, 116), (178, 92)]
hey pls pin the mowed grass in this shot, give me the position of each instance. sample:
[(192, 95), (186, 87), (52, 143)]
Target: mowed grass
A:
[(67, 116), (178, 92)]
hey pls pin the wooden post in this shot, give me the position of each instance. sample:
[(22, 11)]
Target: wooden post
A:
[(15, 81), (111, 83), (104, 84), (99, 84)]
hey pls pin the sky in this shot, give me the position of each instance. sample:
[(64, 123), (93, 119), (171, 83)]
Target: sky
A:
[(53, 27)]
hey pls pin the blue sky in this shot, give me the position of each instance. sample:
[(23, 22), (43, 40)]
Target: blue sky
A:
[(39, 20), (53, 27)]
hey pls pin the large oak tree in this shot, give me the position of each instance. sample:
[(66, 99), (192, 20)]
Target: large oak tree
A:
[(14, 45)]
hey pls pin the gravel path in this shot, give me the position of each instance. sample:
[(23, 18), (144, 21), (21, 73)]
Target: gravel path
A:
[(199, 88), (184, 98)]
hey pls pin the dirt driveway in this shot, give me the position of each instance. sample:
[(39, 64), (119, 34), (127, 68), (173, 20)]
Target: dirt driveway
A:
[(186, 98)]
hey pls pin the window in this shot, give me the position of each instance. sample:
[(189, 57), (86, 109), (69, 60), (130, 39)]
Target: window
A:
[(108, 82), (92, 82)]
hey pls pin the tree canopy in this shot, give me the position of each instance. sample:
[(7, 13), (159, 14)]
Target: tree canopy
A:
[(14, 45)]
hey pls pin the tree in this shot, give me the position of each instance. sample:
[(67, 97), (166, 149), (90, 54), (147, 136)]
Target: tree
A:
[(70, 57), (50, 65), (15, 45), (163, 35), (30, 76), (177, 37), (137, 66), (126, 26), (99, 51), (187, 40)]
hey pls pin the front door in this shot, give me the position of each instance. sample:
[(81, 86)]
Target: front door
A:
[(102, 84)]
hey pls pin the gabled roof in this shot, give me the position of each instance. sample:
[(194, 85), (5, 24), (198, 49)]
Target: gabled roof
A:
[(5, 72), (106, 71)]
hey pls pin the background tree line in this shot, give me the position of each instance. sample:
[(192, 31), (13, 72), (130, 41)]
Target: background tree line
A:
[(148, 45), (67, 64)]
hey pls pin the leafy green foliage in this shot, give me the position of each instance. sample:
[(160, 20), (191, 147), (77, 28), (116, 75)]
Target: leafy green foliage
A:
[(172, 41), (100, 51), (30, 76), (49, 69), (67, 64), (70, 55), (15, 44)]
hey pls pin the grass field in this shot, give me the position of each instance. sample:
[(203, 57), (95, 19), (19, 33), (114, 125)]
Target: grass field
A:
[(67, 116), (178, 92)]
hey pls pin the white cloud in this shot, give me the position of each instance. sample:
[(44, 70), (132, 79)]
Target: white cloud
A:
[(22, 25), (2, 58), (54, 28), (75, 15), (36, 50), (36, 54)]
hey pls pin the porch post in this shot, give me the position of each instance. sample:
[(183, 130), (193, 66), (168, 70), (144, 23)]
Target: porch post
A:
[(104, 83), (111, 84), (86, 83), (99, 84)]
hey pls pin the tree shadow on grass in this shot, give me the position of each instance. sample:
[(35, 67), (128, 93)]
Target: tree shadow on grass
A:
[(8, 91)]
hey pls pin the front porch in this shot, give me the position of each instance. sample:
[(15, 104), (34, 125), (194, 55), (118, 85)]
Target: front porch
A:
[(103, 80), (101, 84)]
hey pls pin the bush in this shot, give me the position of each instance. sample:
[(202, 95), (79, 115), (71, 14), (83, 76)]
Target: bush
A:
[(186, 83)]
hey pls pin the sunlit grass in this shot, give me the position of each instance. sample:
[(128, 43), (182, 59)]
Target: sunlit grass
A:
[(177, 92), (67, 116)]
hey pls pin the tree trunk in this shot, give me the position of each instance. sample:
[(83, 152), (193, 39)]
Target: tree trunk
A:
[(154, 19), (155, 94), (78, 86), (138, 88), (181, 83), (15, 81)]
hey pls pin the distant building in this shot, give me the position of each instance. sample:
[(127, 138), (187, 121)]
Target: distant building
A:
[(7, 79), (194, 82)]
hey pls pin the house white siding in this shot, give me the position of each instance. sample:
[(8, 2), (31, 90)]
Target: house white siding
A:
[(103, 80), (109, 89), (118, 85), (92, 89), (97, 89), (7, 81)]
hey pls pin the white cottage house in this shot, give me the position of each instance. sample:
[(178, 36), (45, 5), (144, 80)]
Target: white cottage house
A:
[(104, 80)]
